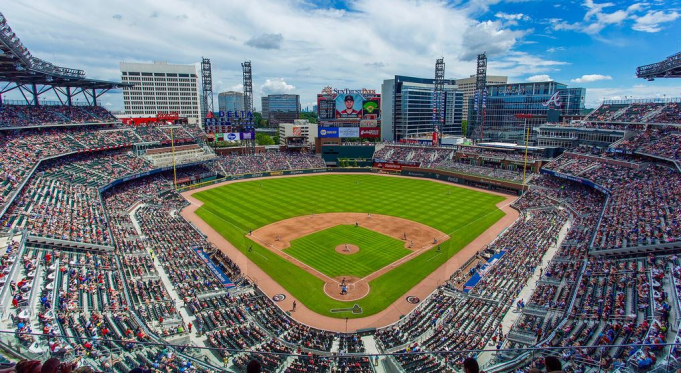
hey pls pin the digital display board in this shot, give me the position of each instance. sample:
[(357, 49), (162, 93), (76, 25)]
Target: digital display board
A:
[(338, 106)]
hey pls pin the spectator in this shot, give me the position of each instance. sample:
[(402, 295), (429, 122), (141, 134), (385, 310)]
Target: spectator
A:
[(470, 365)]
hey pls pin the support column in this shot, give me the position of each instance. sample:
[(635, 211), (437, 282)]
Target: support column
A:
[(94, 97), (68, 96), (35, 95)]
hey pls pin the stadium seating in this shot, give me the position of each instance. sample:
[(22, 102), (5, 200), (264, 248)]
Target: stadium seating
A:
[(29, 115), (153, 287)]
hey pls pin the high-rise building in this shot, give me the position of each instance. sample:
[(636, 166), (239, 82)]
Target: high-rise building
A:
[(231, 101), (265, 103), (467, 86), (281, 108), (161, 88), (407, 108), (544, 101)]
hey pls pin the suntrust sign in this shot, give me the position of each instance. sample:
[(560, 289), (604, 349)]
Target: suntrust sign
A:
[(345, 91)]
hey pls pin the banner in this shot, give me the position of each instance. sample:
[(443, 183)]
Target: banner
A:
[(390, 166), (226, 282), (370, 133), (248, 135), (230, 136), (348, 132), (328, 132), (297, 131)]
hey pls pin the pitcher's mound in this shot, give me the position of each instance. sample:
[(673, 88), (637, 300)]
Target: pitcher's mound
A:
[(347, 249)]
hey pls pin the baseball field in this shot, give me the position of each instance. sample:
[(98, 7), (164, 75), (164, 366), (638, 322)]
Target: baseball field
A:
[(383, 235)]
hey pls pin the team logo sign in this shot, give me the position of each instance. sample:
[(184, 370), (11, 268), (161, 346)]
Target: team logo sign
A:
[(413, 300), (278, 297), (555, 100)]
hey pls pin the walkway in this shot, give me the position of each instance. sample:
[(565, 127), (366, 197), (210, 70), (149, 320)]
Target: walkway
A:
[(512, 316)]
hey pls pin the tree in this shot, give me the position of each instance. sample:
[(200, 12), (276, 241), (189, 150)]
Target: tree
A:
[(464, 127), (257, 119), (309, 115), (263, 139)]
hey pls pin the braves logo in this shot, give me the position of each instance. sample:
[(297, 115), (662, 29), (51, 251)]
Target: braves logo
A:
[(555, 100)]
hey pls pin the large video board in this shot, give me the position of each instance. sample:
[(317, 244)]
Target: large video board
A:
[(349, 106)]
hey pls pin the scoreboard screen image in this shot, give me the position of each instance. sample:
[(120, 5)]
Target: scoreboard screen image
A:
[(349, 108)]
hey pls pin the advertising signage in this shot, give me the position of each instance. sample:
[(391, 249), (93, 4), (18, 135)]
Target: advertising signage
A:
[(328, 132), (349, 132), (369, 133)]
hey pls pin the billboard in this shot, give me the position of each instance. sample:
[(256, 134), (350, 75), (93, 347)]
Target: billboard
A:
[(328, 132), (370, 133), (348, 132)]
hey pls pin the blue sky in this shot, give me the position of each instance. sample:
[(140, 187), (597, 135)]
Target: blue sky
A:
[(301, 46)]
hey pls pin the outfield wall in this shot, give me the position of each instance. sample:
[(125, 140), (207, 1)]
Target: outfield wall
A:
[(452, 177)]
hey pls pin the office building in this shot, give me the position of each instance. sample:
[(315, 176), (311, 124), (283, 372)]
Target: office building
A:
[(407, 108), (231, 101), (161, 88), (467, 86), (281, 108), (545, 101), (300, 133)]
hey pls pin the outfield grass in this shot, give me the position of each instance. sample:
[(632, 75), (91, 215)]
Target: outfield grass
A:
[(234, 209), (318, 250)]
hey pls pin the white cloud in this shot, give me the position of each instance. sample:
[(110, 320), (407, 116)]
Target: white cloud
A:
[(650, 22), (555, 49), (539, 78), (591, 78), (280, 37), (488, 36), (277, 85), (512, 17), (516, 64), (596, 18)]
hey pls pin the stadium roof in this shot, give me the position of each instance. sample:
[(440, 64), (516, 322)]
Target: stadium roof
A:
[(18, 66), (669, 68)]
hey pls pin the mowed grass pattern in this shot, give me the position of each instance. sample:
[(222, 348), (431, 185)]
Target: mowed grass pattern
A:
[(234, 209), (318, 250)]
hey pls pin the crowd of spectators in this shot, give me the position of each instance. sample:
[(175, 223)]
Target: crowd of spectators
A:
[(643, 204), (270, 161), (464, 159), (660, 141), (490, 170), (650, 112), (30, 115)]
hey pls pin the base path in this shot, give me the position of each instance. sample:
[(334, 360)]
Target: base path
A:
[(417, 237), (388, 316)]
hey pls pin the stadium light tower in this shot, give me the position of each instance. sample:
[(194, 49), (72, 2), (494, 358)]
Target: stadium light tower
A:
[(248, 86), (438, 98), (480, 99), (207, 84)]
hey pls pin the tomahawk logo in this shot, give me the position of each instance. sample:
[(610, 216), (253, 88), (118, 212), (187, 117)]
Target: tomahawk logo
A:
[(554, 101)]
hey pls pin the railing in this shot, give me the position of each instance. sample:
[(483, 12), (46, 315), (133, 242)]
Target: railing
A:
[(664, 100), (570, 355)]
